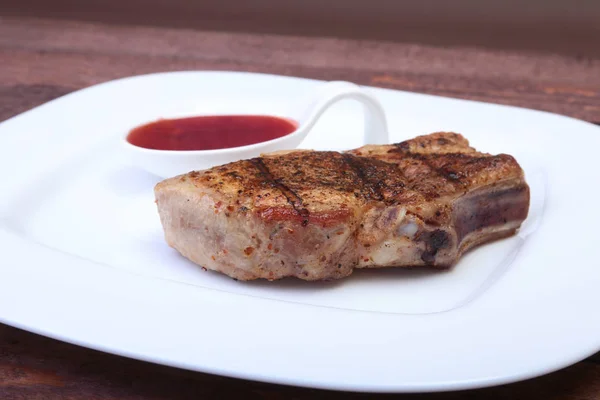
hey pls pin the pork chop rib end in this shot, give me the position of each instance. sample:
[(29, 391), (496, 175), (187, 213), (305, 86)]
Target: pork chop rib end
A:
[(317, 215)]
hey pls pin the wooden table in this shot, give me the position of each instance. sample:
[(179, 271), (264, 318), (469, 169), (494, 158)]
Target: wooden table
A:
[(44, 59)]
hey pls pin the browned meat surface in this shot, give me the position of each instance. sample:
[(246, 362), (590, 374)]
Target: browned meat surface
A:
[(318, 215)]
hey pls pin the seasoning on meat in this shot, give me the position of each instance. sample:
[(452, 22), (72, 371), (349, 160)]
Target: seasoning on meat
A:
[(320, 214)]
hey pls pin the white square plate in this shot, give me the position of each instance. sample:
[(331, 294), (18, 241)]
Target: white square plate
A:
[(84, 260)]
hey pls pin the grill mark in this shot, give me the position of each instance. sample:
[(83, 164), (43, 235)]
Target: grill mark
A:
[(292, 197), (369, 190), (441, 172)]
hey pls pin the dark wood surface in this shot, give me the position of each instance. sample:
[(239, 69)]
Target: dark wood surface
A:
[(44, 59), (550, 25)]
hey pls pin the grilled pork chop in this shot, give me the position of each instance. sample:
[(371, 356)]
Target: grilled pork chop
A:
[(320, 214)]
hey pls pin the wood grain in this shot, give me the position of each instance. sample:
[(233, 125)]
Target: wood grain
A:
[(35, 367), (74, 55), (44, 59), (539, 25)]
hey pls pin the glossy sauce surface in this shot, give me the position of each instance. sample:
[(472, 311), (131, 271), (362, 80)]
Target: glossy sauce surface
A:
[(210, 132)]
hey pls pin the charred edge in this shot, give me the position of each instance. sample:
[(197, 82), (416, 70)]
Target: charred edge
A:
[(402, 147), (441, 172), (372, 191), (444, 173), (292, 198), (434, 241), (405, 146)]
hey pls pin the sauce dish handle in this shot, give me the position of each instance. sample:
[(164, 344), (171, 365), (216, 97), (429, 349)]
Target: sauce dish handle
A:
[(375, 128)]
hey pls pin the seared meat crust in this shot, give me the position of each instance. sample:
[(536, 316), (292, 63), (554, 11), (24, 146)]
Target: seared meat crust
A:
[(319, 214)]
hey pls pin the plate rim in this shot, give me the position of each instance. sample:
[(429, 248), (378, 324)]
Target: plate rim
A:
[(323, 385)]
